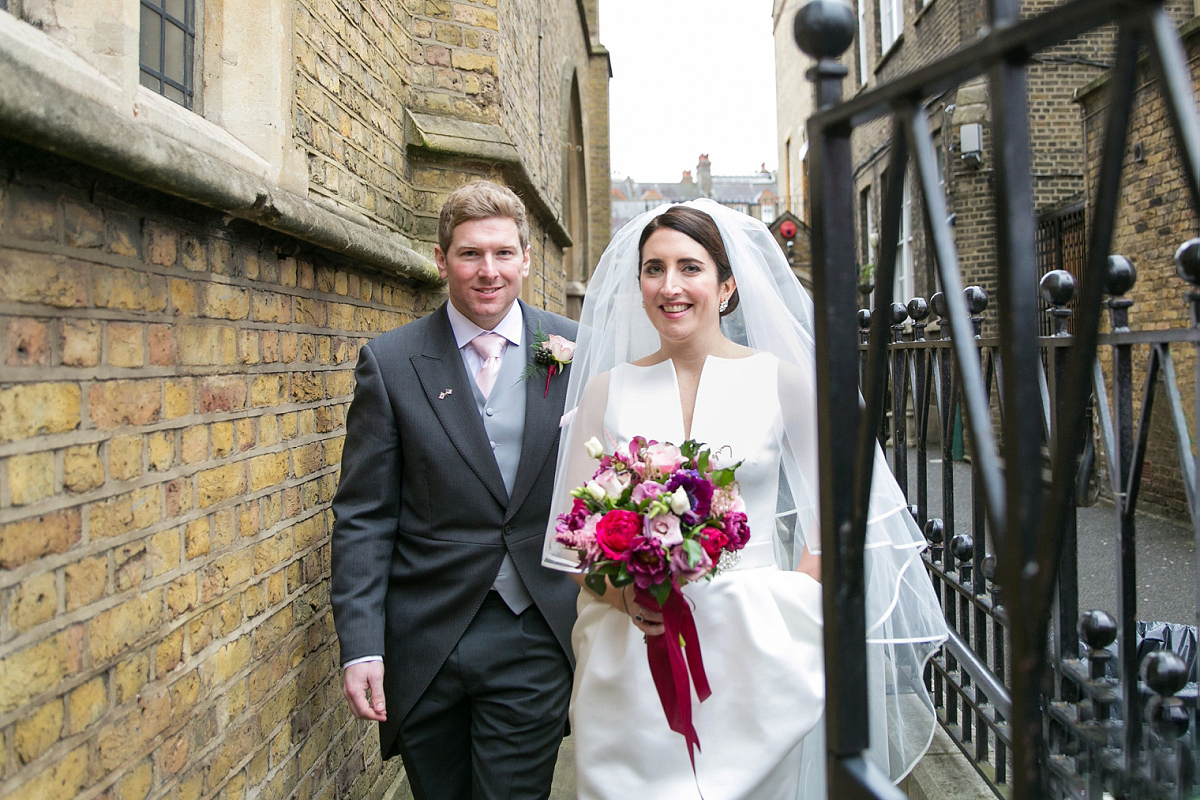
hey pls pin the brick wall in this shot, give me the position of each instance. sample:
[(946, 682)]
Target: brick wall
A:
[(1154, 218), (171, 419)]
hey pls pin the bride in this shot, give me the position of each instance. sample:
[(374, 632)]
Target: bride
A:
[(693, 327)]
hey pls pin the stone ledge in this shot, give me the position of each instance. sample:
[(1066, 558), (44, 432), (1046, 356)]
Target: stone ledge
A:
[(42, 109), (449, 138), (945, 772)]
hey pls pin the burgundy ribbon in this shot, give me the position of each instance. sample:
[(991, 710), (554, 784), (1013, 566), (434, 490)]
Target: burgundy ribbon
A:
[(667, 654)]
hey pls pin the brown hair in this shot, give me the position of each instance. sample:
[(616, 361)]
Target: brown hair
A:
[(480, 200), (699, 227)]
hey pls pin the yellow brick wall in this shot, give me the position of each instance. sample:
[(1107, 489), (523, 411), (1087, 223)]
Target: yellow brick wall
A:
[(1154, 218), (172, 401)]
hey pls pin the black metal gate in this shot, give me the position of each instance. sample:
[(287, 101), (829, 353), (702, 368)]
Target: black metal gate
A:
[(1061, 244), (1028, 517)]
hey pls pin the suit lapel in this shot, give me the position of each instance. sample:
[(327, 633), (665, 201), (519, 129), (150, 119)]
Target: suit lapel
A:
[(444, 379), (542, 413)]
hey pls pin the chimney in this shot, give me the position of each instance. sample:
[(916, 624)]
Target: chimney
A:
[(704, 175), (687, 173)]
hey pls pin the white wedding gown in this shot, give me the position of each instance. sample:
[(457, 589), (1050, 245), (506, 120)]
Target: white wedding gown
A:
[(759, 626)]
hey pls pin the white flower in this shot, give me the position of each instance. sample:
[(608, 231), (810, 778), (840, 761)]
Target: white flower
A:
[(561, 348), (593, 447), (595, 490), (680, 502), (612, 482)]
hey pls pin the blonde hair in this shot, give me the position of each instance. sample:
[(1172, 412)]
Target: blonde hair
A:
[(480, 200)]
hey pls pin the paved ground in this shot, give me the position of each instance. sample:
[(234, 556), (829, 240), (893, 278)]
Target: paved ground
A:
[(1166, 564)]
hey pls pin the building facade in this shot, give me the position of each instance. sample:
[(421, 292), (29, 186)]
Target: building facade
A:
[(206, 207), (747, 194)]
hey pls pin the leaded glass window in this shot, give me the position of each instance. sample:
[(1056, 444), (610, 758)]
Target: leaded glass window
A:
[(168, 41)]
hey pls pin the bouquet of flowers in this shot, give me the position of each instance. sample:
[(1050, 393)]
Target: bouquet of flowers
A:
[(659, 516)]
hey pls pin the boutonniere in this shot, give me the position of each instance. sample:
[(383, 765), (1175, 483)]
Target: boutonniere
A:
[(552, 354)]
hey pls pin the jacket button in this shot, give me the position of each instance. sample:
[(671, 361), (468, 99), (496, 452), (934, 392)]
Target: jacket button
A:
[(490, 411), (508, 529)]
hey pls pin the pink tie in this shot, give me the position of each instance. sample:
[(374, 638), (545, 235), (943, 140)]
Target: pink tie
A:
[(490, 347)]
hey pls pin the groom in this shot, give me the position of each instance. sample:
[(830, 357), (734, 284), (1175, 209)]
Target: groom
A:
[(453, 636)]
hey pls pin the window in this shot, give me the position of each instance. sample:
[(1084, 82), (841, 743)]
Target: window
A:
[(891, 22), (903, 286), (168, 41), (863, 65), (768, 212)]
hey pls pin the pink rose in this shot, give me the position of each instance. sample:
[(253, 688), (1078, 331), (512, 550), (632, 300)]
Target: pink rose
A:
[(613, 482), (681, 566), (646, 490), (664, 528), (615, 532), (662, 458), (562, 349)]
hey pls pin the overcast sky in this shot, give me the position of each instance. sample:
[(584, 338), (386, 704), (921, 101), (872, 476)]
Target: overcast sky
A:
[(690, 77)]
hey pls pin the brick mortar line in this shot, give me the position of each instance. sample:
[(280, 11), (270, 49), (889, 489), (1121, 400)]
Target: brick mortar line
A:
[(362, 90), (341, 199), (82, 436), (94, 256), (40, 310), (65, 745), (89, 547), (396, 21), (82, 615), (153, 478), (78, 617), (352, 144), (108, 374)]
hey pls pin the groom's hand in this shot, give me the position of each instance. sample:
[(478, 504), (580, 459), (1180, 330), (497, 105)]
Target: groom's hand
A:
[(362, 686)]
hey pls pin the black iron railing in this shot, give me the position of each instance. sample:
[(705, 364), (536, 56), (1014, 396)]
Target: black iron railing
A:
[(1095, 704), (1026, 518)]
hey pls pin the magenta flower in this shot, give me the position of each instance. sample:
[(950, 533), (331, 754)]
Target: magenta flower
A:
[(647, 563), (573, 520), (646, 490), (737, 529)]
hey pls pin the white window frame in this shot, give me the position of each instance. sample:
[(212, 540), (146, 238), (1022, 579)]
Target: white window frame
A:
[(891, 23), (902, 286), (863, 61)]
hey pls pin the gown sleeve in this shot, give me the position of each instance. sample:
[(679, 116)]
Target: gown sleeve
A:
[(575, 466)]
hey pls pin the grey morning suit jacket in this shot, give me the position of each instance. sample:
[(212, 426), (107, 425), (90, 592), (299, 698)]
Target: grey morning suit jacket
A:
[(422, 516)]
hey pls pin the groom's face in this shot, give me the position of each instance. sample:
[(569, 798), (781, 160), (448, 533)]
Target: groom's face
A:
[(483, 268)]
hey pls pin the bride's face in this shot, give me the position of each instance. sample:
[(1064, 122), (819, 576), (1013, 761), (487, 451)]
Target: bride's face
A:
[(680, 290)]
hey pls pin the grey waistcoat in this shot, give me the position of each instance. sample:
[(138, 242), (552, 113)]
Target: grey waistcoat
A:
[(503, 416)]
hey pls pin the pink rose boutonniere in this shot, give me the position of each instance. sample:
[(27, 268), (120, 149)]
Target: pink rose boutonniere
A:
[(551, 353)]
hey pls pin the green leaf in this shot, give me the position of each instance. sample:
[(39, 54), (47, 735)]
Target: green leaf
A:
[(694, 551), (722, 477), (702, 462), (661, 591), (596, 583), (622, 578)]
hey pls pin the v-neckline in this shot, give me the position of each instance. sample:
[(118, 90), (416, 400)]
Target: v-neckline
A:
[(700, 384)]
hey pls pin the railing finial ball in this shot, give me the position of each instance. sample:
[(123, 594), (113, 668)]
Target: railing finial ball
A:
[(1164, 672), (1187, 261), (977, 299), (899, 313), (824, 28), (1097, 629), (918, 309), (1122, 275), (989, 567), (864, 318), (938, 303), (934, 530), (1057, 287), (962, 546)]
